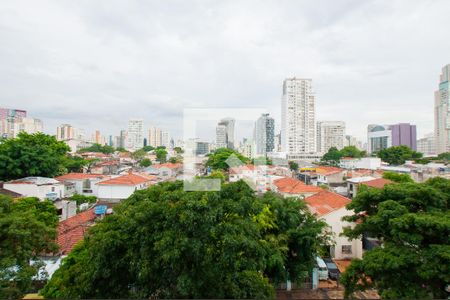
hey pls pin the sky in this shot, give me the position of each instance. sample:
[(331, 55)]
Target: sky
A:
[(96, 64)]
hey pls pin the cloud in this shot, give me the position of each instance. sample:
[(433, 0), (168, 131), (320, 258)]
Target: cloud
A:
[(97, 64)]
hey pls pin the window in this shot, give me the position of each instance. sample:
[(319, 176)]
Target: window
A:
[(53, 188), (346, 249)]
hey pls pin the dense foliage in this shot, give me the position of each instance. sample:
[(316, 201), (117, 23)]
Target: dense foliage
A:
[(145, 162), (397, 155), (75, 164), (80, 199), (106, 149), (32, 155), (167, 243), (333, 156), (218, 159), (161, 154), (413, 223), (27, 228), (397, 177), (293, 166)]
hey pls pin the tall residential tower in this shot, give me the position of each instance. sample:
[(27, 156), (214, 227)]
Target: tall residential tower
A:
[(298, 117), (442, 113)]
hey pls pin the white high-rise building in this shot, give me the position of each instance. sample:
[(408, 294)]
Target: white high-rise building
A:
[(442, 112), (298, 117), (221, 136), (427, 145), (135, 138), (28, 125), (154, 136), (165, 139), (225, 133), (330, 134), (66, 132)]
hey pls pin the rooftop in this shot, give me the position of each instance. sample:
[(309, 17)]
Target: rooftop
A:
[(378, 183), (80, 176), (34, 180), (72, 230), (326, 170), (167, 165), (127, 179), (326, 202), (291, 185)]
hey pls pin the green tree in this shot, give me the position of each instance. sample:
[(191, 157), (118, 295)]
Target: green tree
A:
[(121, 149), (413, 223), (146, 162), (27, 229), (161, 154), (217, 159), (80, 199), (444, 156), (293, 166), (173, 160), (148, 148), (164, 242), (262, 161), (397, 155), (333, 156), (75, 164), (352, 151), (139, 154), (397, 177), (178, 150), (105, 149), (32, 155)]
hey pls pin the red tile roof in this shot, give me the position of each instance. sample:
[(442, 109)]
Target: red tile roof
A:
[(325, 202), (378, 183), (79, 176), (291, 185), (127, 179), (168, 165), (72, 230), (326, 170)]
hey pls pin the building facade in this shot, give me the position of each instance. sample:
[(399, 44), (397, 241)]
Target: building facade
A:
[(427, 145), (154, 137), (380, 137), (225, 133), (264, 135), (135, 138), (404, 134), (330, 134), (298, 116), (442, 113)]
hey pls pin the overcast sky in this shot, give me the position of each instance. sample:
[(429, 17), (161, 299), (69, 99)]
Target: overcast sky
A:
[(95, 64)]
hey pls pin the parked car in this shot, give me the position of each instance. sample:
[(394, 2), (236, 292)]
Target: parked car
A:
[(333, 271), (323, 271)]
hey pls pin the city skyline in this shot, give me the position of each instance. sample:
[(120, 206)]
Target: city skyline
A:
[(103, 66)]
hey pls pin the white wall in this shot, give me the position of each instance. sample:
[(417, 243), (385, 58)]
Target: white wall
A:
[(32, 190), (118, 192), (334, 220)]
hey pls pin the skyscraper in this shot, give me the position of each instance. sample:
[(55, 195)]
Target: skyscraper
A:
[(135, 139), (154, 136), (298, 117), (442, 112), (330, 134), (225, 133), (264, 135), (65, 132), (165, 139)]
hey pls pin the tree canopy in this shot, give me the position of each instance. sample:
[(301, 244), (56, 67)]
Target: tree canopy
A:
[(413, 223), (218, 159), (27, 229), (397, 155), (333, 156), (164, 242), (106, 149), (146, 162), (397, 177), (293, 166), (161, 154), (32, 155)]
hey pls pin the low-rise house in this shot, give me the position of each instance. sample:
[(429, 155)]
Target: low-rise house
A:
[(331, 207), (329, 175), (72, 230), (65, 209), (354, 183), (109, 167), (291, 187), (85, 184), (40, 187), (121, 187), (165, 171), (9, 193)]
